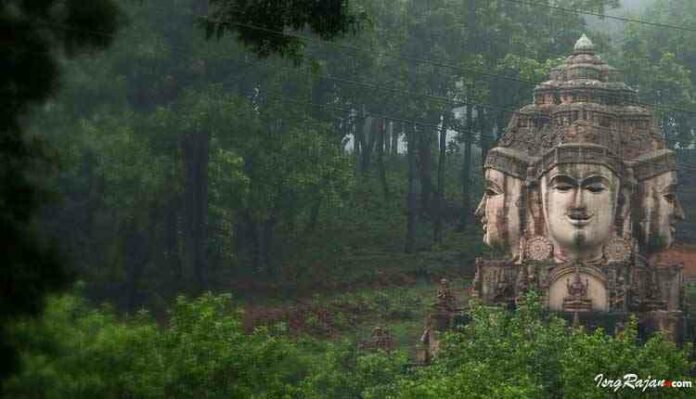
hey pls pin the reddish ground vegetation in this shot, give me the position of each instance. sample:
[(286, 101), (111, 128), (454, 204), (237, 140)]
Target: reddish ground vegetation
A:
[(286, 286), (297, 319)]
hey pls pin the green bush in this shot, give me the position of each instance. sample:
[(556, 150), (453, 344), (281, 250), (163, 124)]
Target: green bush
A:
[(75, 352), (525, 354), (202, 351)]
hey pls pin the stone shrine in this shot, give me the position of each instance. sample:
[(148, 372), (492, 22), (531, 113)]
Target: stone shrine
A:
[(581, 192)]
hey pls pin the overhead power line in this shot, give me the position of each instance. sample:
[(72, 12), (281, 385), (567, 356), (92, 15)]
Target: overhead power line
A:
[(398, 55), (597, 14), (441, 64), (454, 103)]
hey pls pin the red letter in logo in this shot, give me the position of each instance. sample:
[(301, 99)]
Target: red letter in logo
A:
[(667, 384)]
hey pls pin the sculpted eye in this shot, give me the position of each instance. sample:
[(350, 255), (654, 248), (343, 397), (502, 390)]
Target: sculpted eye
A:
[(562, 187), (491, 192), (596, 188), (669, 197)]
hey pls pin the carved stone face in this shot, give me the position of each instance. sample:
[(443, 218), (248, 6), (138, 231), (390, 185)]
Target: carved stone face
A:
[(499, 210), (661, 210), (579, 204)]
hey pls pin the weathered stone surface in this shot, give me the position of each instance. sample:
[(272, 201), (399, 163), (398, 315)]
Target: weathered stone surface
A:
[(580, 190)]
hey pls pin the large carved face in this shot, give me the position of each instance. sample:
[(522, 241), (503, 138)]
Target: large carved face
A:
[(579, 203), (499, 210), (661, 210)]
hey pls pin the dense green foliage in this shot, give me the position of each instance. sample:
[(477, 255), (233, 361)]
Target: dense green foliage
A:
[(201, 350), (34, 34), (78, 352), (193, 155), (199, 166), (527, 355), (662, 66)]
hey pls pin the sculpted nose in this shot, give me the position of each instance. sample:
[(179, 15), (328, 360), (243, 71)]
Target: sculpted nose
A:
[(577, 208), (578, 200), (481, 206)]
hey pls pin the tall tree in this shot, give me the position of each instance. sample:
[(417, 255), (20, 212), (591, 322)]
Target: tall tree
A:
[(411, 194), (440, 194), (661, 64), (34, 35), (468, 138)]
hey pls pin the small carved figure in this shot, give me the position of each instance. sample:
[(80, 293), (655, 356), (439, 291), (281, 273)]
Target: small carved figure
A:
[(577, 299), (445, 298), (577, 289), (380, 339), (618, 298), (474, 289), (617, 250), (504, 290)]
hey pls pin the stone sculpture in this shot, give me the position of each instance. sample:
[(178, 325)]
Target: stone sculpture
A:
[(381, 339), (580, 190)]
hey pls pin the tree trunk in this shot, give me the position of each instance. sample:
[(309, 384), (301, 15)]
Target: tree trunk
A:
[(380, 158), (195, 148), (395, 139), (172, 257), (357, 143), (472, 23), (501, 125), (266, 239), (314, 213), (485, 135), (439, 200), (411, 193), (387, 138), (200, 7), (425, 163), (137, 255), (368, 143), (247, 241), (466, 170)]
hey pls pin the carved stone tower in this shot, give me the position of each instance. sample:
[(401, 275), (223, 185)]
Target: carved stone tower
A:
[(580, 191)]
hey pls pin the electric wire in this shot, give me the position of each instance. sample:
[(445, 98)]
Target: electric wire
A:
[(400, 56)]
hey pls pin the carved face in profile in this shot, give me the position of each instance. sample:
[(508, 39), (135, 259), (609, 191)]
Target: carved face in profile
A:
[(579, 204), (499, 210), (661, 210)]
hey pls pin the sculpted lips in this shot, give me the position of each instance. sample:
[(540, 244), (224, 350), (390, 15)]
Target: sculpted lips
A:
[(578, 218)]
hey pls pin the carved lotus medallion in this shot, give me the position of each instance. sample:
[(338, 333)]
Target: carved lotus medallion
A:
[(617, 250), (539, 248)]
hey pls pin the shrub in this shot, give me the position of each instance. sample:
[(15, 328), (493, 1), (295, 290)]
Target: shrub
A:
[(75, 351), (526, 354), (78, 352)]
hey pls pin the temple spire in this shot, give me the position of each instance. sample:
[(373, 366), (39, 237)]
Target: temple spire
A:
[(584, 45)]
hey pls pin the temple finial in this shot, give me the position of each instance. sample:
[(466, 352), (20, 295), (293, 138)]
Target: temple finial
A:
[(584, 45)]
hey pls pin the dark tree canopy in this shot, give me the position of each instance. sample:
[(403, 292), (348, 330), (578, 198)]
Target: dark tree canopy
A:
[(32, 36), (256, 23), (316, 162)]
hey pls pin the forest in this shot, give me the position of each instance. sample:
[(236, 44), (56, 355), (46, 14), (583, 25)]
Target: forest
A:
[(226, 198)]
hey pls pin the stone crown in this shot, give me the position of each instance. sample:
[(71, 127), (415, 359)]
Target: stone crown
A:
[(584, 102), (584, 44)]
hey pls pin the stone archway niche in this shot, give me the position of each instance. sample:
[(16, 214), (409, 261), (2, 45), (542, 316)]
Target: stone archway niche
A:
[(593, 280)]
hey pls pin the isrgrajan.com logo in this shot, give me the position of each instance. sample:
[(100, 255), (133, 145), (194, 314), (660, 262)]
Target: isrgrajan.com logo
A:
[(633, 381)]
